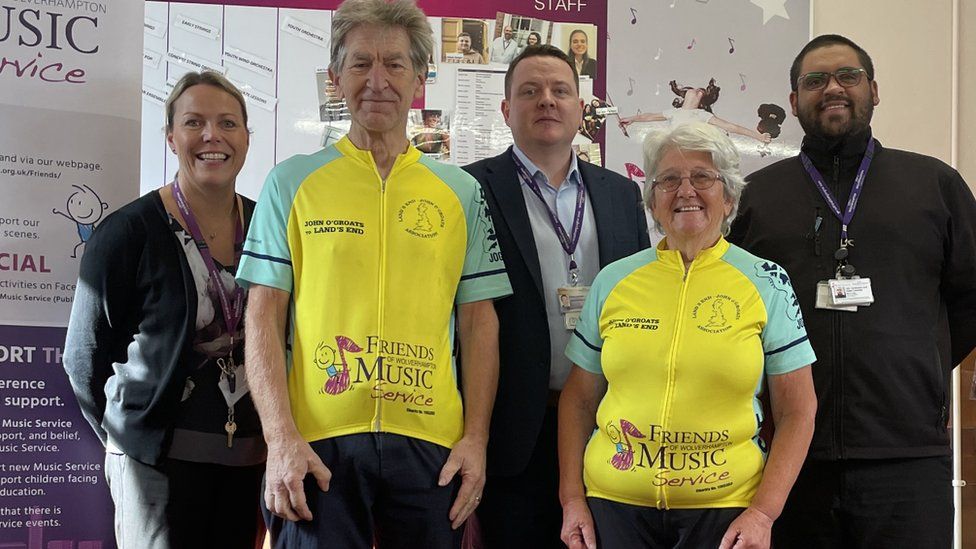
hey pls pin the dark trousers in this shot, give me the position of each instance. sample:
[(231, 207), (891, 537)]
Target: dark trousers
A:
[(623, 526), (383, 490), (523, 510), (883, 503), (184, 504)]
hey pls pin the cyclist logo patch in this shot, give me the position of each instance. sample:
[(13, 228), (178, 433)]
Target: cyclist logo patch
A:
[(421, 218), (716, 313)]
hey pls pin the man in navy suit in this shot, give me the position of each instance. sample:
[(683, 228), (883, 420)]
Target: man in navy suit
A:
[(558, 220)]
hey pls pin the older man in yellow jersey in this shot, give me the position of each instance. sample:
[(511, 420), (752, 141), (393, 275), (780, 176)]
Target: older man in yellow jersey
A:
[(356, 259)]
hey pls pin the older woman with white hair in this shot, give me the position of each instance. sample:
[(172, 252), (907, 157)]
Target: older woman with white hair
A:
[(674, 349)]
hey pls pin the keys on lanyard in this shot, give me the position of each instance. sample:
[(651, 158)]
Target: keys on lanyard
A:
[(230, 427), (844, 269), (228, 369)]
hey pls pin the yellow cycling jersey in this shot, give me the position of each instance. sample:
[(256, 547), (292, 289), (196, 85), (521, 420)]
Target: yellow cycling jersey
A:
[(684, 355), (374, 269)]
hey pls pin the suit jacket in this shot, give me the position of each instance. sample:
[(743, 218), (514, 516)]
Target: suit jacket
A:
[(523, 383)]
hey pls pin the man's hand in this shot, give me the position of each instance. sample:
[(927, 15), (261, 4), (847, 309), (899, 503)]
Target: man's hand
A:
[(750, 530), (289, 461), (467, 458), (577, 531)]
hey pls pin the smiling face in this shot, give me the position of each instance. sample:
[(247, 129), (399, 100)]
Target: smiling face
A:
[(688, 214), (377, 79), (209, 136), (85, 207), (463, 44), (533, 40), (432, 120), (507, 31), (834, 111), (577, 43), (544, 108), (324, 356)]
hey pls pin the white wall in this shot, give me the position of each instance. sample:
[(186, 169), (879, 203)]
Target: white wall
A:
[(910, 42)]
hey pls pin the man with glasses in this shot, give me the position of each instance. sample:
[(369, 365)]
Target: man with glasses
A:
[(881, 248)]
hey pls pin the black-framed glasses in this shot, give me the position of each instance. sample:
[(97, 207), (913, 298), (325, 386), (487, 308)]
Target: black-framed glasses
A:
[(847, 77), (700, 179)]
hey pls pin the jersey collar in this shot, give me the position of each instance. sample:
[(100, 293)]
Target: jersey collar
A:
[(672, 258), (348, 149)]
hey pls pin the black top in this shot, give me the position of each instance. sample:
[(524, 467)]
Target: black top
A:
[(882, 373), (132, 327)]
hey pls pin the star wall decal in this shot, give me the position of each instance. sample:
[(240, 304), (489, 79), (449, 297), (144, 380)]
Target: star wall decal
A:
[(772, 8)]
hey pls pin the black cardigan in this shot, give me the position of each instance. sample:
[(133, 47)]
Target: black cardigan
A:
[(131, 327)]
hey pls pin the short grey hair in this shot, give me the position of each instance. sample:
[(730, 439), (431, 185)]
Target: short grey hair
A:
[(397, 13), (696, 136)]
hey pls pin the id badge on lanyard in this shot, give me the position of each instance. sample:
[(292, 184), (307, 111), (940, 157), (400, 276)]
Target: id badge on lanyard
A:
[(846, 291), (571, 297)]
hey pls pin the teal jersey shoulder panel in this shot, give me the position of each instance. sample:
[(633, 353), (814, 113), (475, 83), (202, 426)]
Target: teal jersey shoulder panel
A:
[(266, 259), (483, 275), (585, 346), (784, 337)]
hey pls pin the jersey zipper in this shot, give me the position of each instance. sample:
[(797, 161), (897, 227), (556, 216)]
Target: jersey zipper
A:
[(672, 357), (380, 291)]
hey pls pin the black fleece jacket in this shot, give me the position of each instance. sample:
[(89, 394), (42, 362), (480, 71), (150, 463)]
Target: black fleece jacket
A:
[(882, 374)]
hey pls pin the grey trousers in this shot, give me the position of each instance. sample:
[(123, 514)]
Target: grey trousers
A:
[(184, 504)]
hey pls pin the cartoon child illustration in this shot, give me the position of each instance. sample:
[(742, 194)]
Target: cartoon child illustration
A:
[(85, 208), (623, 459), (325, 359)]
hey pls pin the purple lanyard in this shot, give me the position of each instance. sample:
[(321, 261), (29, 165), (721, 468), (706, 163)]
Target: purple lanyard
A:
[(231, 302), (569, 241), (818, 180)]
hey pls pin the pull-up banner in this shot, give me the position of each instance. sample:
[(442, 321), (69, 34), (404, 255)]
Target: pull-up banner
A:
[(70, 113)]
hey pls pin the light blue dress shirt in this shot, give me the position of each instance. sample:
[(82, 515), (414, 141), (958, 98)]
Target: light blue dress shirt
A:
[(553, 260)]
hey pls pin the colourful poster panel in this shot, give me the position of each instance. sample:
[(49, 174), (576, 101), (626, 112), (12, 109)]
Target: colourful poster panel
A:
[(69, 101)]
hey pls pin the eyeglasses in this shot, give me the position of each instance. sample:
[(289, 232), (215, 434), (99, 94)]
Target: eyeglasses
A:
[(846, 77), (700, 179)]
